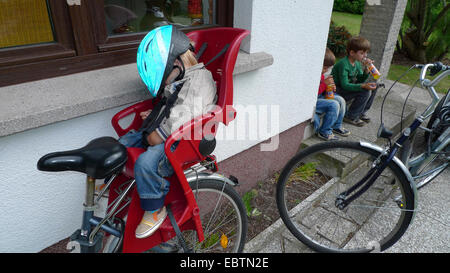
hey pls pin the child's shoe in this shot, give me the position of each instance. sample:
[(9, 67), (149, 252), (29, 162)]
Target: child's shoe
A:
[(327, 137), (150, 222), (356, 122), (365, 118), (342, 131)]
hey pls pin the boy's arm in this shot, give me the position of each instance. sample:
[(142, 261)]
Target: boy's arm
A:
[(363, 75)]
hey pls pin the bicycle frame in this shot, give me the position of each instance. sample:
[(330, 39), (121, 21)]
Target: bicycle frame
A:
[(388, 154), (419, 162), (88, 238)]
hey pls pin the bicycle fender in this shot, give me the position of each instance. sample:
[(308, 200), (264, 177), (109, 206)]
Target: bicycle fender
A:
[(402, 166), (213, 176)]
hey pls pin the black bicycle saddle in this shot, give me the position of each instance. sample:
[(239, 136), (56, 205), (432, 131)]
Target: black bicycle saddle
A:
[(99, 158)]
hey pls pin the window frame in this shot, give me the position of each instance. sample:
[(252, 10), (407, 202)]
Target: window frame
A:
[(81, 43)]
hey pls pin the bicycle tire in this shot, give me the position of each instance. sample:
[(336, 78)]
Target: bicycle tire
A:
[(112, 244), (218, 197), (314, 219), (212, 241)]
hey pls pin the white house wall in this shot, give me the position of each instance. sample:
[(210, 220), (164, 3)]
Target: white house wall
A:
[(38, 209), (295, 34)]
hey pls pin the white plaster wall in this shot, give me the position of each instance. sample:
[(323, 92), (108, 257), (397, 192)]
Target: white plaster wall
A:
[(294, 32), (39, 209)]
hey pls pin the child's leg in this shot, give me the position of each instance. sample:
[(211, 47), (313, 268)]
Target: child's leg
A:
[(316, 120), (132, 139), (370, 101), (341, 112), (149, 171), (330, 108), (359, 103)]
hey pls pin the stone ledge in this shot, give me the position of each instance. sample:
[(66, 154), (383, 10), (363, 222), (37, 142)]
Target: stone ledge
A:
[(34, 104)]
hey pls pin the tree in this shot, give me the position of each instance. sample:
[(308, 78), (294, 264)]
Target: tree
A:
[(424, 34)]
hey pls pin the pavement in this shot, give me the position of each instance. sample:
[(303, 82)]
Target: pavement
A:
[(430, 230)]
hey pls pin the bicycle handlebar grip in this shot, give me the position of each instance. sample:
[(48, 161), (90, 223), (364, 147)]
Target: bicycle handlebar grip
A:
[(437, 67)]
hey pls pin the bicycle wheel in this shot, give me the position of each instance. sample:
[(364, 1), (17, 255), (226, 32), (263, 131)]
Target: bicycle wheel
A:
[(223, 218), (433, 117), (310, 183), (112, 244), (423, 167)]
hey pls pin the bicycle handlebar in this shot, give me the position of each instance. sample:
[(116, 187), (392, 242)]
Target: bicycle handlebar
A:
[(429, 85), (435, 68)]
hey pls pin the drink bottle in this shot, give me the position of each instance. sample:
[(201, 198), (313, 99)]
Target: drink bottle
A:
[(374, 71), (329, 93)]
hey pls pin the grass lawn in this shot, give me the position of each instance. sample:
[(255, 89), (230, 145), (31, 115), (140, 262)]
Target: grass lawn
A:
[(397, 70), (353, 23)]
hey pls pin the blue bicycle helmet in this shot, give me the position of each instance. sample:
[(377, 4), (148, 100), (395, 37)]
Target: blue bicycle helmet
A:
[(156, 55)]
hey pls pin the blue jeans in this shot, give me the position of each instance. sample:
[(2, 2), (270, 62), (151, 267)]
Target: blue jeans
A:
[(149, 171), (334, 111)]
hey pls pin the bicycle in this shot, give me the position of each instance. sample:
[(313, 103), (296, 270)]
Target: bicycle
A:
[(343, 196), (205, 213)]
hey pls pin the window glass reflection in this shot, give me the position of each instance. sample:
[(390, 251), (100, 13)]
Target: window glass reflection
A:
[(125, 16)]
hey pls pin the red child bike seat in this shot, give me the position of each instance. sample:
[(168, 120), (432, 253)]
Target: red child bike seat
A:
[(190, 137)]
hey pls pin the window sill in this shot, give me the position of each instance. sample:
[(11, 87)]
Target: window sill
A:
[(34, 104)]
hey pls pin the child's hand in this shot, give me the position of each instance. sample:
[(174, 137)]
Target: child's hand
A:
[(145, 114), (329, 80), (367, 62), (369, 86)]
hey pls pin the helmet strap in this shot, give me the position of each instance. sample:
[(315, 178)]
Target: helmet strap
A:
[(182, 69)]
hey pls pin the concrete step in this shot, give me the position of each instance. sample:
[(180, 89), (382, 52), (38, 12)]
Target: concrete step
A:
[(392, 119)]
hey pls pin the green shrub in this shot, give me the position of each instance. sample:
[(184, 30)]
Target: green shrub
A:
[(350, 6), (338, 37)]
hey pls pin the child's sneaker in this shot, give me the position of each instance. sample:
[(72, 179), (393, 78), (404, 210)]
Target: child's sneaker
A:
[(365, 118), (342, 131), (356, 122), (327, 137), (150, 222)]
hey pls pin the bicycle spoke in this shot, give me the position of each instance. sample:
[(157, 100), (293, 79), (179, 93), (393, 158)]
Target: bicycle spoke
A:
[(223, 218)]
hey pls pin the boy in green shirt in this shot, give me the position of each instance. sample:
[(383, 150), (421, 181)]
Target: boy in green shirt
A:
[(350, 75)]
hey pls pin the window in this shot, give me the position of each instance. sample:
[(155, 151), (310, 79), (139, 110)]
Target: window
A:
[(47, 38), (24, 23), (124, 17)]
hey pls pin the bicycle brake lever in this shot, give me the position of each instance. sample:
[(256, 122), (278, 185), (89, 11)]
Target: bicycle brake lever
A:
[(436, 68)]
